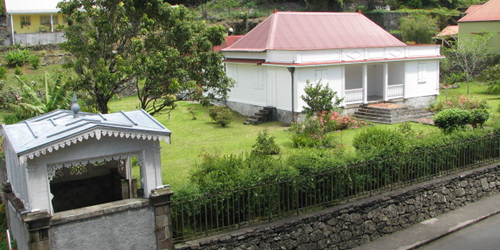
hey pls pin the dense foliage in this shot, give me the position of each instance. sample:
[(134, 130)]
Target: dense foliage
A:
[(380, 142), (159, 48), (450, 120), (17, 57), (417, 28)]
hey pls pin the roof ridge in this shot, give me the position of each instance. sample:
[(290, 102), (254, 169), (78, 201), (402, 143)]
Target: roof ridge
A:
[(272, 31)]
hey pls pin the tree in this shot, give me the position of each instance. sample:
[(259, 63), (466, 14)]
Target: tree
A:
[(319, 98), (178, 56), (469, 53), (115, 43), (418, 28)]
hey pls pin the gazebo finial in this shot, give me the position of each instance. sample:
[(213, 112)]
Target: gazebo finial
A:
[(74, 106)]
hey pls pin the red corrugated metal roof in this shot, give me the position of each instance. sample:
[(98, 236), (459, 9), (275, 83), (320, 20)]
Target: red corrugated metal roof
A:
[(472, 8), (490, 11), (229, 40), (315, 31), (450, 30)]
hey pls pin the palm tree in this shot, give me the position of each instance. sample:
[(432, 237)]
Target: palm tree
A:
[(32, 103)]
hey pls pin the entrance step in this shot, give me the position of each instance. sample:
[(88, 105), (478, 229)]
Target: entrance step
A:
[(266, 114), (390, 113)]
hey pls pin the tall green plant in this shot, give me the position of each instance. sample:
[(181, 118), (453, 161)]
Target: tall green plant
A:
[(319, 98), (30, 103)]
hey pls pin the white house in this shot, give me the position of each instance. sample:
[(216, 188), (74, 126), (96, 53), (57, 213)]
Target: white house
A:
[(356, 57)]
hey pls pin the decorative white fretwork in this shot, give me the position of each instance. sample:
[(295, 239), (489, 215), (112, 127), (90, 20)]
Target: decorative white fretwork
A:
[(79, 167), (98, 133)]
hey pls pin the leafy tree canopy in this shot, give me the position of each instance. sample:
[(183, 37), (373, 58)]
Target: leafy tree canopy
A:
[(160, 48), (418, 28)]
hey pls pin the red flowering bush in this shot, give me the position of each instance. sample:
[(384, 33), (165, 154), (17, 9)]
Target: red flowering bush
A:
[(459, 102), (313, 132), (332, 121)]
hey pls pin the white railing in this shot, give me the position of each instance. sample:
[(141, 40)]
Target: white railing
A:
[(353, 96), (395, 91)]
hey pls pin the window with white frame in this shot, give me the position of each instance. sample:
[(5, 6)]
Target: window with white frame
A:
[(25, 21), (422, 73), (45, 20)]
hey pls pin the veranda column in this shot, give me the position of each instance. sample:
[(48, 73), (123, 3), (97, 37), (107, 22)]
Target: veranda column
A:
[(385, 81), (12, 37), (365, 84)]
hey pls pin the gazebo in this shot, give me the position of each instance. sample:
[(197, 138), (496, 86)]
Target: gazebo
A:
[(68, 162)]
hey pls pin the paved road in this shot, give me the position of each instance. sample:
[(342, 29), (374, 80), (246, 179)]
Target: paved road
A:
[(484, 235)]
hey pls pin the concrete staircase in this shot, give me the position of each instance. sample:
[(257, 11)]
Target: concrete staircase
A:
[(264, 115), (390, 113)]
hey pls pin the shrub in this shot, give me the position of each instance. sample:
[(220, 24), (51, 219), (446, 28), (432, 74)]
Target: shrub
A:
[(479, 117), (452, 119), (265, 144), (319, 98), (376, 141), (18, 71), (34, 61), (16, 58), (221, 115)]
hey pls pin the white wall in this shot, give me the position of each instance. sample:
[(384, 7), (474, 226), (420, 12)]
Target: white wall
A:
[(250, 87), (333, 75), (416, 85), (396, 73), (354, 76)]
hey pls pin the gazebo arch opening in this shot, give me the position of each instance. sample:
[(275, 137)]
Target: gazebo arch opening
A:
[(92, 183)]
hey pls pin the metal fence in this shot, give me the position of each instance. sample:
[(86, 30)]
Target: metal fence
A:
[(234, 209)]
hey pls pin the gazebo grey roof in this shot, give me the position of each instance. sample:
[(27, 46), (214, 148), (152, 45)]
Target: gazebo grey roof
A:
[(60, 128)]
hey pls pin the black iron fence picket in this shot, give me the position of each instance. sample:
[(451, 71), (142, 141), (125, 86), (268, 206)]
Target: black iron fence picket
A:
[(204, 215)]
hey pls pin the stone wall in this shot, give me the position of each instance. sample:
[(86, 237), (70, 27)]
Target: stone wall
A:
[(364, 220)]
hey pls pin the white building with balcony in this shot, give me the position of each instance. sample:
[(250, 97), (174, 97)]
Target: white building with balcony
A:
[(358, 59)]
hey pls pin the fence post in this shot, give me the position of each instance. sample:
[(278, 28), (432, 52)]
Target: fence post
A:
[(161, 201)]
